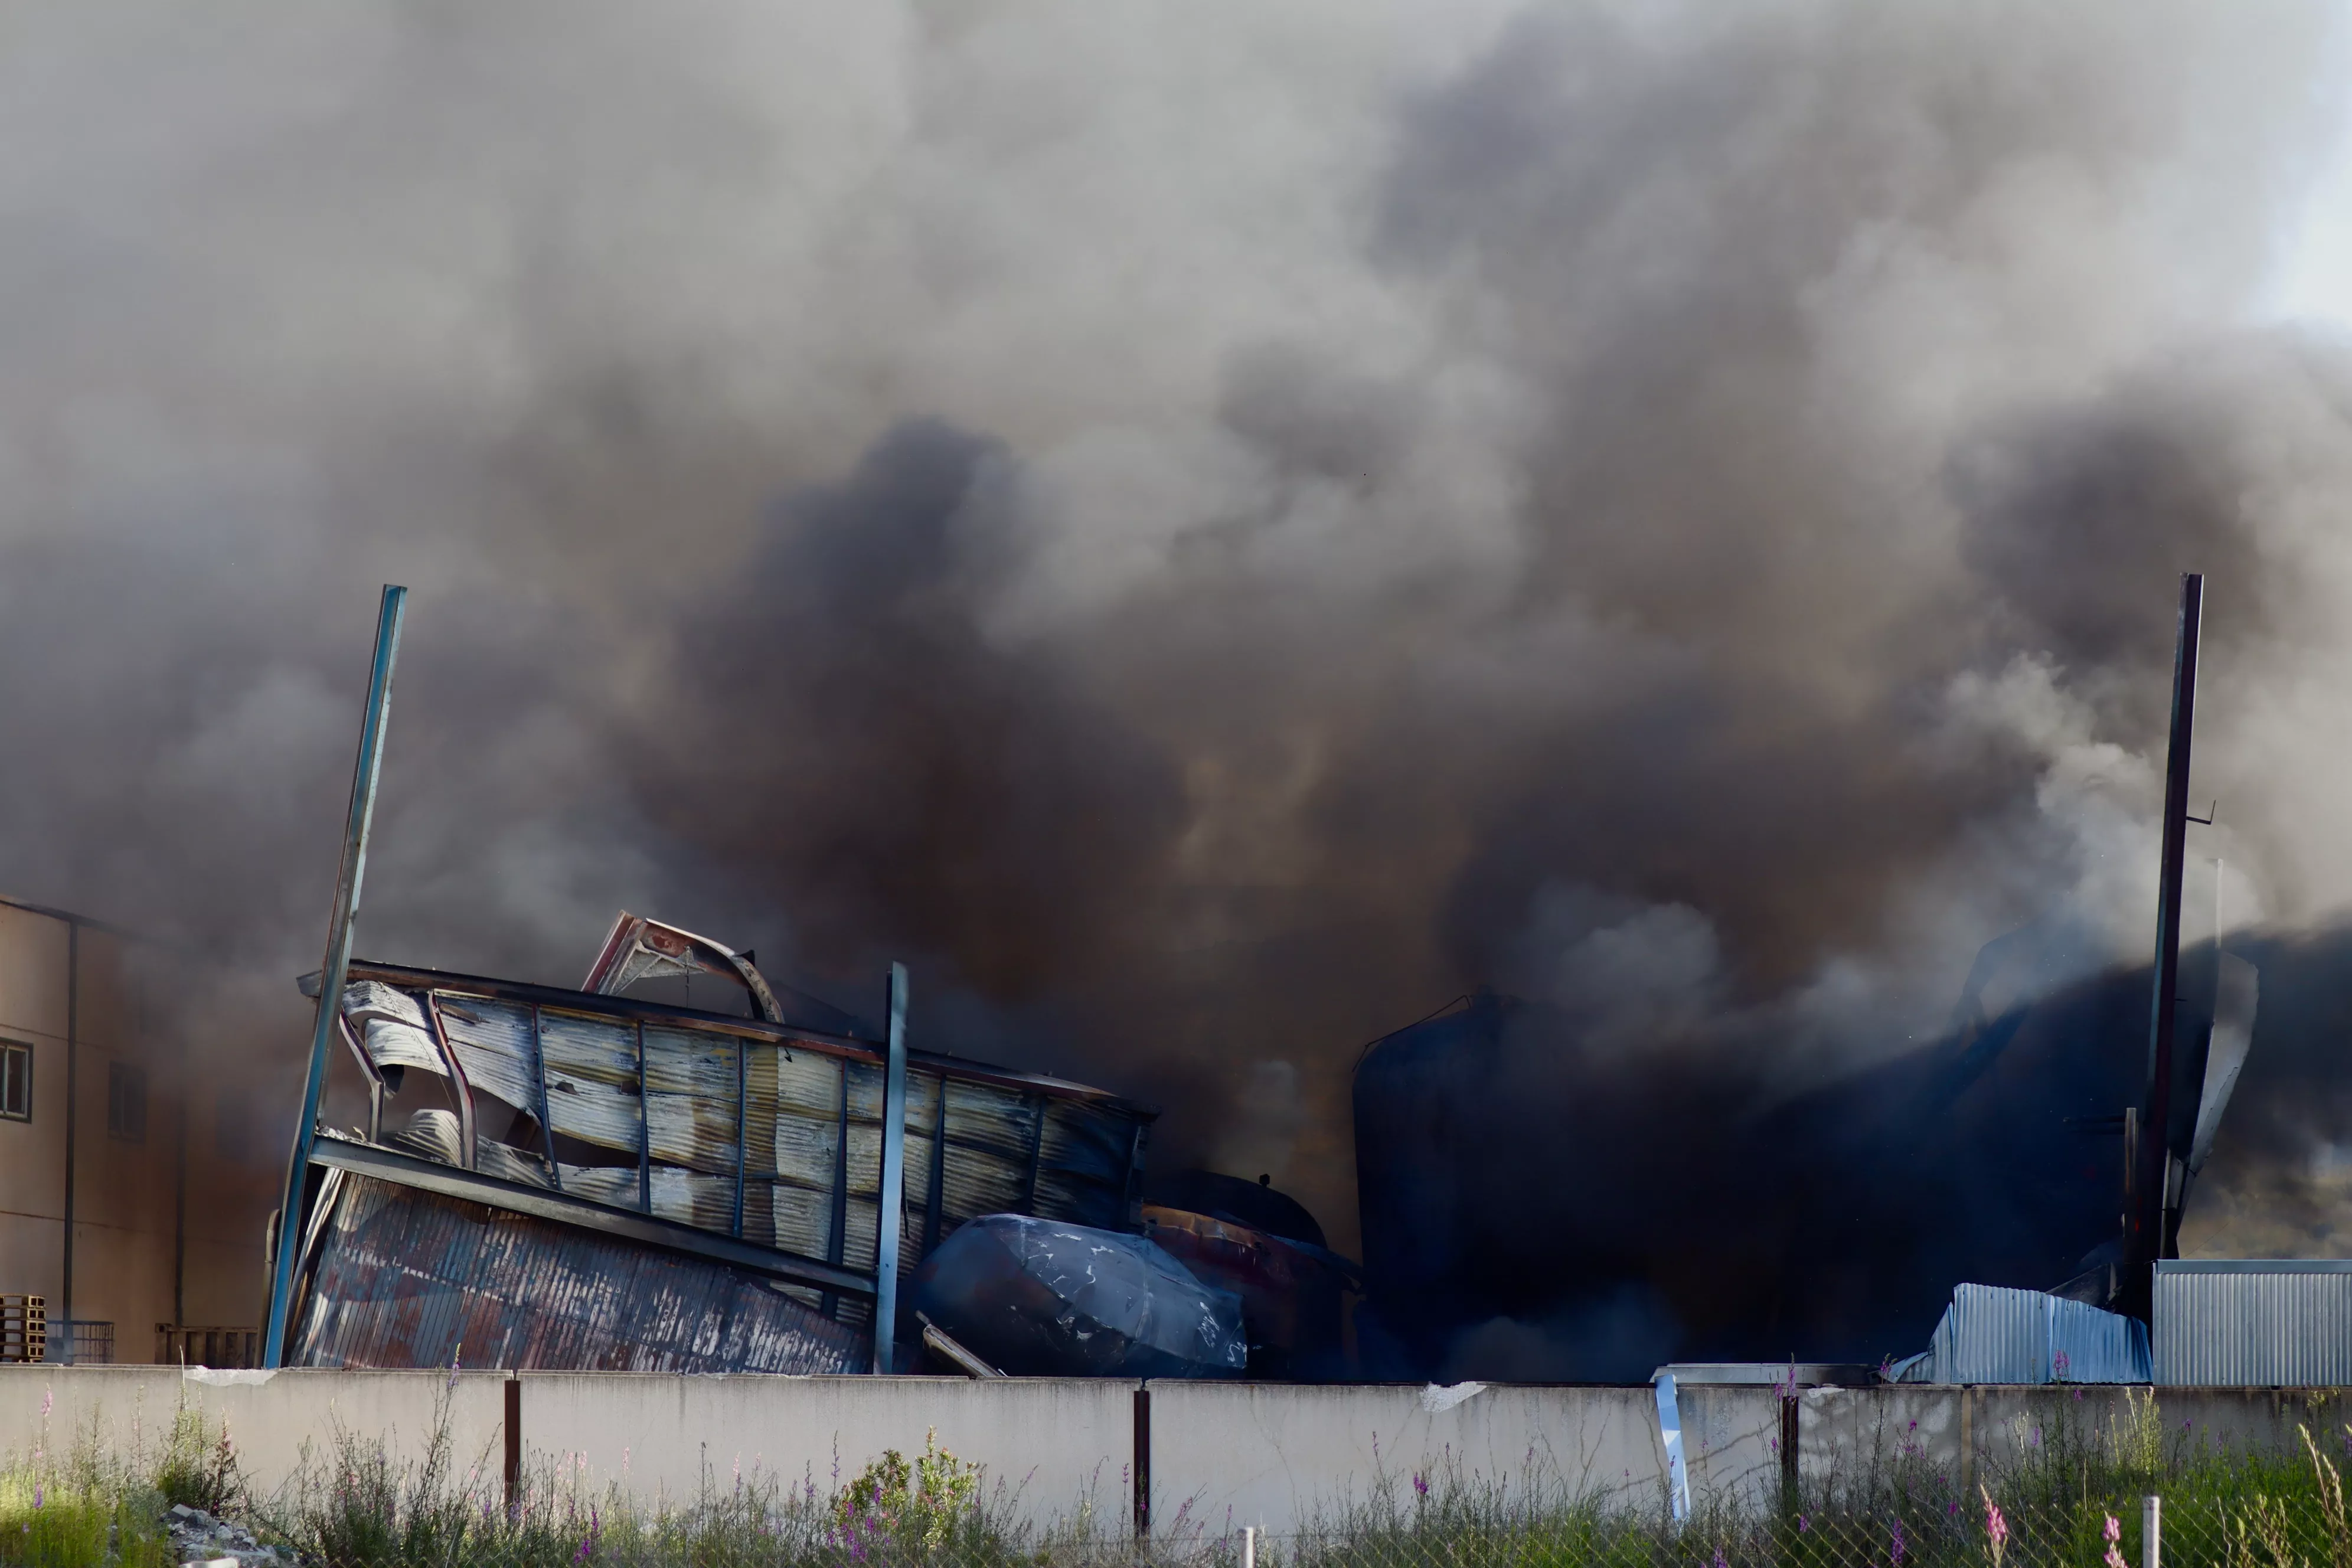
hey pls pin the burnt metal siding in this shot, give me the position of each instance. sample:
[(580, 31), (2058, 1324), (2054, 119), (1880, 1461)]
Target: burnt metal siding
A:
[(405, 1278), (1993, 1333), (747, 1127), (2253, 1323)]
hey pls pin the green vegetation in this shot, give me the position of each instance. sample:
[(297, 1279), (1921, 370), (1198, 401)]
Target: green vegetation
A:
[(2056, 1490), (77, 1510)]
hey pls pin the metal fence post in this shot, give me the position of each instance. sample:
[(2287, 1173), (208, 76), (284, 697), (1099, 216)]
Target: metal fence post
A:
[(2152, 1509), (1249, 1546)]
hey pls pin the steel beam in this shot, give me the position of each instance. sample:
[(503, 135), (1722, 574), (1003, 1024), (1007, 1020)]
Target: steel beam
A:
[(893, 1196), (2148, 1217), (365, 773)]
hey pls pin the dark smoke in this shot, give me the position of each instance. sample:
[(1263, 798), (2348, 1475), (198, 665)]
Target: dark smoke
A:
[(1208, 534)]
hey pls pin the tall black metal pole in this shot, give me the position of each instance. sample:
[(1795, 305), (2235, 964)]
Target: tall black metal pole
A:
[(2156, 1157)]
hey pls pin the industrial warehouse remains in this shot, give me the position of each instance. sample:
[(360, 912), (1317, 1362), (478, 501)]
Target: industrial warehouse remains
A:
[(1331, 786), (614, 1183), (610, 1178), (592, 1179)]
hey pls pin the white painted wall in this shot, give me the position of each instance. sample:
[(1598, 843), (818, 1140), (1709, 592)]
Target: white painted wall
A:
[(1049, 1447), (276, 1421), (1282, 1456), (1731, 1442)]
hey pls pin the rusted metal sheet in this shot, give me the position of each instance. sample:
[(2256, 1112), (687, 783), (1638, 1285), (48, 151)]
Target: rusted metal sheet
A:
[(407, 1277), (402, 1169)]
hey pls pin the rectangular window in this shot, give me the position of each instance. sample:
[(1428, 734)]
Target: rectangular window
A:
[(15, 1081), (126, 1102)]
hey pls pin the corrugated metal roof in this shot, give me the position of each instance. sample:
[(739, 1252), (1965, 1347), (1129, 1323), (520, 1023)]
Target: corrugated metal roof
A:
[(2255, 1265), (405, 1278), (2253, 1323), (1992, 1334)]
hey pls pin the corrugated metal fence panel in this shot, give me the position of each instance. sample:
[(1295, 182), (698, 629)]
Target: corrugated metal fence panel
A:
[(2088, 1345), (1992, 1334), (405, 1277), (2258, 1323)]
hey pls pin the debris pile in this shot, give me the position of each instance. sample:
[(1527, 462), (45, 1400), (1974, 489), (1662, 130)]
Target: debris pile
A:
[(199, 1537)]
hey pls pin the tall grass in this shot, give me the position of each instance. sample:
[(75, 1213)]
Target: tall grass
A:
[(357, 1508), (79, 1508), (2059, 1488)]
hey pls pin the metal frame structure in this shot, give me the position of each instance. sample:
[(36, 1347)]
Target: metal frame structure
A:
[(2153, 1182)]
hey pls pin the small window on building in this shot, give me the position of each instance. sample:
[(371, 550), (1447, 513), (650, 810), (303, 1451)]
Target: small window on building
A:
[(15, 1081), (126, 1102)]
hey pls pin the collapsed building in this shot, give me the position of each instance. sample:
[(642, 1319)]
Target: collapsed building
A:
[(613, 1182), (614, 1178), (551, 1178)]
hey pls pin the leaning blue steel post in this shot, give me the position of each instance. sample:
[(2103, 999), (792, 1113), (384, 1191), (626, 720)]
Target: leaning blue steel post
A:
[(338, 960), (893, 1178)]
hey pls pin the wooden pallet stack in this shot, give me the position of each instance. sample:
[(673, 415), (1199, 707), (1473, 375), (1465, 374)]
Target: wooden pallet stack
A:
[(24, 1328), (176, 1345)]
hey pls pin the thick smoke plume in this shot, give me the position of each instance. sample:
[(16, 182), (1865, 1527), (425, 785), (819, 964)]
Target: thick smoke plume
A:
[(1208, 530)]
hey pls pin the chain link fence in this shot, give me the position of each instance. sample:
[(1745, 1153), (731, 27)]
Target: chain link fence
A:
[(359, 1523), (2049, 1496)]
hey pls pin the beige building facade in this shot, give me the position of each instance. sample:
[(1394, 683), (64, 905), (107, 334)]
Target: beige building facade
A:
[(115, 1205)]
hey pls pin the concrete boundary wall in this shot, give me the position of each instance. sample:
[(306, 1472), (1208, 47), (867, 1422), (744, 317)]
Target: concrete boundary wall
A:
[(277, 1421), (1285, 1456), (1057, 1451), (1069, 1452), (1853, 1436)]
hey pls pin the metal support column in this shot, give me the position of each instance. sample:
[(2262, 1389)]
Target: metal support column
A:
[(2155, 1153), (893, 1196), (645, 1130), (73, 1041), (364, 775)]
